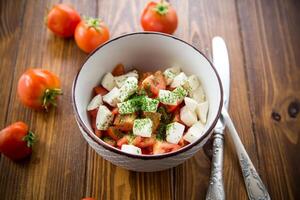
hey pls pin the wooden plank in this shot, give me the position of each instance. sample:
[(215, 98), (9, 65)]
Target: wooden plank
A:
[(56, 169), (10, 28), (104, 180), (270, 31), (199, 22)]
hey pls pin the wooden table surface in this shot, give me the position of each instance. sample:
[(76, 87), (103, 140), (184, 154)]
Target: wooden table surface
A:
[(263, 37)]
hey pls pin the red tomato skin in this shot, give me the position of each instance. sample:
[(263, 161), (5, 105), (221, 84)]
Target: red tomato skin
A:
[(115, 111), (62, 20), (11, 141), (153, 21), (93, 113), (123, 140), (153, 83), (33, 84), (100, 90), (118, 70), (88, 38)]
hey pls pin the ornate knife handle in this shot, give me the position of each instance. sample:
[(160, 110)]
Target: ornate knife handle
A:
[(216, 187), (254, 185)]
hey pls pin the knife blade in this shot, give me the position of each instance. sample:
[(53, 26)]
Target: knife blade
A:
[(221, 63)]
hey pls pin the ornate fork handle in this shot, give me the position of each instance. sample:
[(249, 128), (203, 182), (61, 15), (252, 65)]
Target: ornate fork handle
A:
[(254, 185), (216, 187)]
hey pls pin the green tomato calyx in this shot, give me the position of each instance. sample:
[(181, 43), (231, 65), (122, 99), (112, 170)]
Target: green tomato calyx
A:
[(50, 96), (162, 8), (30, 139)]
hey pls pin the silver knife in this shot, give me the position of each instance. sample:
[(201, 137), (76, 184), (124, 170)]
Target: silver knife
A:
[(221, 62), (256, 190)]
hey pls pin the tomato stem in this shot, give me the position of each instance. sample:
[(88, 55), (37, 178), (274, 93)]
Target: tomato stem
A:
[(30, 138), (162, 7), (93, 23), (49, 97)]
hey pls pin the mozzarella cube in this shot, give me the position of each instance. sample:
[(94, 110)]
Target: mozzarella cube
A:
[(120, 80), (170, 73), (180, 93), (95, 102), (192, 83), (131, 149), (149, 104), (198, 95), (112, 98), (104, 118), (167, 97), (127, 107), (194, 133), (108, 81), (191, 104), (202, 110), (174, 132), (179, 80), (129, 87), (187, 116), (142, 127)]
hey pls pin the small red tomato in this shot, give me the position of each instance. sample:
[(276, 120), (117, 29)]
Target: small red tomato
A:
[(38, 88), (16, 141), (160, 17), (90, 33), (62, 20)]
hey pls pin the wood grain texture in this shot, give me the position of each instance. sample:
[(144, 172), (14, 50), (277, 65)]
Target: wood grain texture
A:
[(273, 68), (10, 31), (263, 42)]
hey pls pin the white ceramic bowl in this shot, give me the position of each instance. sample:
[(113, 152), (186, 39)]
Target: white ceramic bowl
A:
[(148, 51)]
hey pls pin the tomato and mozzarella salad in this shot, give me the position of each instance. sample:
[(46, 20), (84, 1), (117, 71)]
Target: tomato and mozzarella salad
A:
[(148, 113)]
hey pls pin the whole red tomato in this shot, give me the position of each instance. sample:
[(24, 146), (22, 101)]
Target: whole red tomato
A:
[(16, 141), (38, 88), (90, 33), (62, 20), (160, 17)]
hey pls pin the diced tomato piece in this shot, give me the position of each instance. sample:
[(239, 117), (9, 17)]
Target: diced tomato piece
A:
[(177, 116), (123, 140), (172, 108), (153, 83), (160, 81), (115, 111), (181, 142), (142, 78), (93, 121), (118, 70), (155, 118), (110, 141), (143, 142), (164, 147), (147, 150), (98, 133), (93, 113), (124, 122), (100, 90), (114, 133)]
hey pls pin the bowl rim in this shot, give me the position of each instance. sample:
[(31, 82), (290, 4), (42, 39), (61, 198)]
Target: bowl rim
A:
[(145, 157)]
